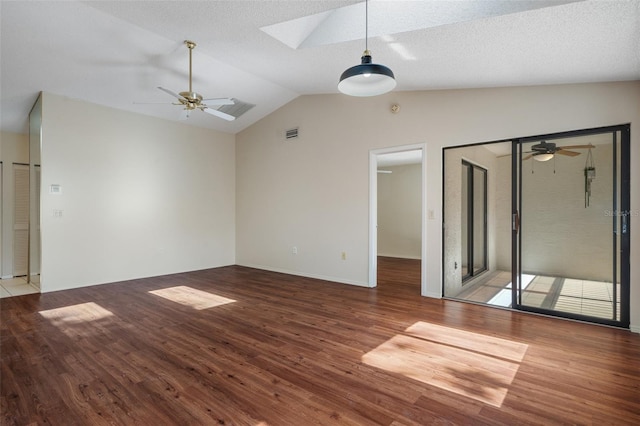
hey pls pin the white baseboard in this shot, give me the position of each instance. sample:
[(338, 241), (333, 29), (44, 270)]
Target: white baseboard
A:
[(6, 277), (306, 275), (634, 328), (433, 295)]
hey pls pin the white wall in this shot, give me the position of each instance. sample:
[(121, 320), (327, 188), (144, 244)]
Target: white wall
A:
[(400, 212), (140, 196), (313, 192), (14, 148)]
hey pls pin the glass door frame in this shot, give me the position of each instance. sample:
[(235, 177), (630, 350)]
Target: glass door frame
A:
[(620, 253), (472, 222)]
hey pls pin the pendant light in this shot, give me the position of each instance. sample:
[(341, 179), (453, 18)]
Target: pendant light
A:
[(366, 79)]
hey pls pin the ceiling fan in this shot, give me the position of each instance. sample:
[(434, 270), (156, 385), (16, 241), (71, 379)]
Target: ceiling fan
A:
[(192, 100), (545, 151)]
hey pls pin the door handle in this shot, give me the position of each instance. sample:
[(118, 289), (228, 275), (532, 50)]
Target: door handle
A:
[(515, 221)]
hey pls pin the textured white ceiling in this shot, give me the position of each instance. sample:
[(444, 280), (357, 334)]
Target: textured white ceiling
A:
[(116, 53)]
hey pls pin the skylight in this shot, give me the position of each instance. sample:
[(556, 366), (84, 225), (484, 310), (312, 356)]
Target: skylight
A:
[(392, 17)]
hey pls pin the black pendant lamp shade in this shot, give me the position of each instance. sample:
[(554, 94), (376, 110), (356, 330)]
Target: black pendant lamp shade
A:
[(367, 79)]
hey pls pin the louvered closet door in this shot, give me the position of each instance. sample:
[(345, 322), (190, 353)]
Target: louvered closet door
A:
[(21, 220), (34, 267)]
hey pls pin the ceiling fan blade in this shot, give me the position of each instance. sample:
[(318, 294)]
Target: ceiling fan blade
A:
[(219, 114), (153, 103), (576, 146), (170, 92), (567, 153), (527, 157), (218, 101)]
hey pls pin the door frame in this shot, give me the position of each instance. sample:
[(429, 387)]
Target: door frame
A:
[(373, 212)]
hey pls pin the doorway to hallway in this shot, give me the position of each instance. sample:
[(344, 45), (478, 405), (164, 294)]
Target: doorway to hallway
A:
[(397, 212)]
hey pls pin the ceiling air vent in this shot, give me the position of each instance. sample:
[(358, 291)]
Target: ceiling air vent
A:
[(291, 134), (237, 109)]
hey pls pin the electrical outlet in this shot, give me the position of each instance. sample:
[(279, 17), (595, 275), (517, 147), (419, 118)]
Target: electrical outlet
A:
[(344, 255), (294, 250)]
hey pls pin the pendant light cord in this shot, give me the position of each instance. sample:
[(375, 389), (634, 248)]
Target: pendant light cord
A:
[(366, 25)]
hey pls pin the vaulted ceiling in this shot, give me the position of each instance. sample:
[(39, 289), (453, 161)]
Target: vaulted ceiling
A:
[(116, 53)]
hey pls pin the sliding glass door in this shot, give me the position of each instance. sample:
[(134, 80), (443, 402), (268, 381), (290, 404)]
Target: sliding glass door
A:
[(541, 224), (570, 225)]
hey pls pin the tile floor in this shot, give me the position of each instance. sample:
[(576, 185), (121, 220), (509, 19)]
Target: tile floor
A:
[(16, 287), (585, 297)]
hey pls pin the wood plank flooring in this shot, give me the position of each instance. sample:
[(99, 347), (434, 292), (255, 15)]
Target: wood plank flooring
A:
[(239, 346)]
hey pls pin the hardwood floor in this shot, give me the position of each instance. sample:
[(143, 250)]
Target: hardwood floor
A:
[(396, 272), (240, 346)]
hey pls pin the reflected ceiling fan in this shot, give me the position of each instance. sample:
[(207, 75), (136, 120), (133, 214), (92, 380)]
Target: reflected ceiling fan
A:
[(545, 151), (191, 100)]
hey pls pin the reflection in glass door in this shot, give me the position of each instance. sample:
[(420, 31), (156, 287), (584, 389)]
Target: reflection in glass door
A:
[(474, 220), (571, 216), (476, 223)]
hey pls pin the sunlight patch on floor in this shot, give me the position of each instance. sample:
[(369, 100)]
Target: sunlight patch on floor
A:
[(76, 314), (473, 365), (194, 298)]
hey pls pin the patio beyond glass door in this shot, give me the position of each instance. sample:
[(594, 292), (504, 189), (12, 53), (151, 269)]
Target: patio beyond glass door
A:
[(571, 225)]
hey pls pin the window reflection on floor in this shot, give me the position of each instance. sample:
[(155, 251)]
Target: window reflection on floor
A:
[(187, 296), (474, 365), (81, 320)]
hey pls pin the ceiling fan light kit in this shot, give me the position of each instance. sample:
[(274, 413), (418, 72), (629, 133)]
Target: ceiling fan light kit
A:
[(545, 151), (367, 78), (543, 157)]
